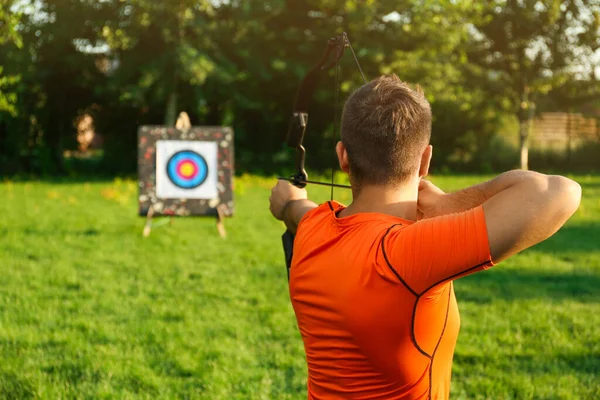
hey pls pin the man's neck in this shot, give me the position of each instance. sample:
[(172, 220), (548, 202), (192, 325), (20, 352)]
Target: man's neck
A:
[(398, 201)]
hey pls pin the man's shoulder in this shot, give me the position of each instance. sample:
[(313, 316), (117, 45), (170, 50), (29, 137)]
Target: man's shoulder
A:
[(322, 211)]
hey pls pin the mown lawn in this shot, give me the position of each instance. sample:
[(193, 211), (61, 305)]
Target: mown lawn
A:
[(91, 309)]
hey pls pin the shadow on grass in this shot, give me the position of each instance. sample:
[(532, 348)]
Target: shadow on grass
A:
[(590, 185), (12, 386), (53, 232), (61, 232), (502, 284), (508, 284), (572, 238)]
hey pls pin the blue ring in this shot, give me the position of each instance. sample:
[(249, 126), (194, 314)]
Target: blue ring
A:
[(193, 157)]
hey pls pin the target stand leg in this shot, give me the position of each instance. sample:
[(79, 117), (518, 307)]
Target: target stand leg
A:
[(220, 219), (148, 226)]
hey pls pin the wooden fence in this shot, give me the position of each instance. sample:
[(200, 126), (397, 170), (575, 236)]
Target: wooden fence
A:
[(563, 131)]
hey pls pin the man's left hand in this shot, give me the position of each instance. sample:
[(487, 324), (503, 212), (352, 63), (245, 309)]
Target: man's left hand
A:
[(281, 195)]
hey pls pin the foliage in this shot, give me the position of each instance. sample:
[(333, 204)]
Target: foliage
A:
[(8, 98), (527, 49), (57, 81), (91, 309), (8, 23), (239, 63), (8, 36)]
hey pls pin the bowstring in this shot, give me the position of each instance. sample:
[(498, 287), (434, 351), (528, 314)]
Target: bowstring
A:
[(335, 116), (336, 105), (356, 59)]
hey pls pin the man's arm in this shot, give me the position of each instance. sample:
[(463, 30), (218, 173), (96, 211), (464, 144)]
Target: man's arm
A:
[(522, 208), (294, 211), (289, 204), (528, 212)]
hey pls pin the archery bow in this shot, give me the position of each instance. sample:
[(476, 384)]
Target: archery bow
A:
[(333, 53)]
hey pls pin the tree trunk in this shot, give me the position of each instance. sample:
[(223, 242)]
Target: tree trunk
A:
[(53, 132), (524, 143), (60, 145), (213, 116), (569, 139), (525, 114), (171, 109)]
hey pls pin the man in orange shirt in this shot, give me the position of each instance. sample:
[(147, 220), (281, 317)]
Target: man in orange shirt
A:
[(372, 283)]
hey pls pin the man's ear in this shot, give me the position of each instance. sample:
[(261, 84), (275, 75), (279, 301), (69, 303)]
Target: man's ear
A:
[(425, 161), (342, 155)]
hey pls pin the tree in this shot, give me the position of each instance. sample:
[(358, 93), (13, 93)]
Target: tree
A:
[(269, 46), (162, 49), (8, 37), (526, 48)]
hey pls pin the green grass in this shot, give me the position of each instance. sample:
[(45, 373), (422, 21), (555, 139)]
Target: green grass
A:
[(91, 309)]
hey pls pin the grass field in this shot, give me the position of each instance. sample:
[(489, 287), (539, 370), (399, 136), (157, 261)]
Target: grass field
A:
[(91, 309)]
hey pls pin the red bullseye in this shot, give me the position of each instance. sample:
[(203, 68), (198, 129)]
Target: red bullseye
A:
[(187, 169)]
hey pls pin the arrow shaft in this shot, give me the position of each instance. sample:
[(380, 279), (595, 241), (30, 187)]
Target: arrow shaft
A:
[(317, 183)]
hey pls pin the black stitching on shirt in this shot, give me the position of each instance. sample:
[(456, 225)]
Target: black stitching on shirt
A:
[(412, 330), (439, 341), (455, 275), (390, 265)]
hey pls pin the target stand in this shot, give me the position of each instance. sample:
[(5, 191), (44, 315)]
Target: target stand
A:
[(185, 171)]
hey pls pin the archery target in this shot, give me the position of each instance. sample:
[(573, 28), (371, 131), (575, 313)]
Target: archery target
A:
[(186, 169)]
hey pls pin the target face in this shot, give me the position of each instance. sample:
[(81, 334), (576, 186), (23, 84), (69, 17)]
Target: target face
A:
[(186, 169)]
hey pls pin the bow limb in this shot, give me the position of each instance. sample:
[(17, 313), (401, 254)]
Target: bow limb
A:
[(333, 52), (306, 90), (299, 120)]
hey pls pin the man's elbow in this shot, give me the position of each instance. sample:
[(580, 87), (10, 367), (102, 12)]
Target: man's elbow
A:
[(566, 195)]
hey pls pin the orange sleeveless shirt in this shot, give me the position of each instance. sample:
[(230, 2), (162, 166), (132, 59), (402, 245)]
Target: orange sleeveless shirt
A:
[(374, 300)]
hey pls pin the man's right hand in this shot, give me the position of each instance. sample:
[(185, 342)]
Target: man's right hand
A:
[(430, 200)]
